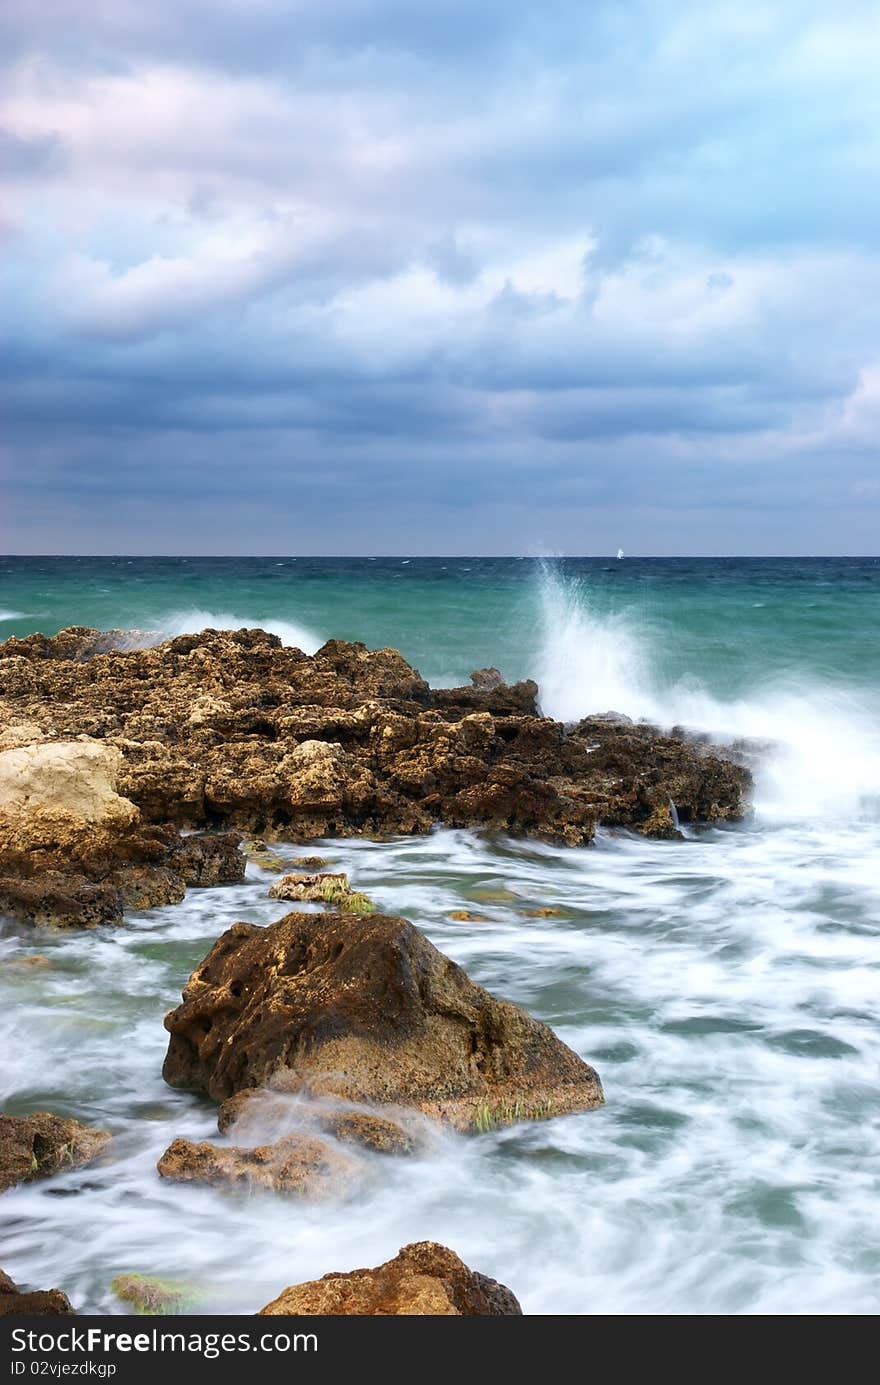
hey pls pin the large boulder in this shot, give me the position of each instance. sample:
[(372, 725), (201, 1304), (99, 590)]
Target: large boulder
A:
[(53, 794), (15, 1302), (39, 1145), (367, 1008), (424, 1279)]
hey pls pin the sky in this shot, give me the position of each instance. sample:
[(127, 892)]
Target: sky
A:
[(376, 276)]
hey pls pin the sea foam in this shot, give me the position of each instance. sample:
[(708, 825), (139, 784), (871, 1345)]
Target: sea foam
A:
[(825, 758), (192, 621)]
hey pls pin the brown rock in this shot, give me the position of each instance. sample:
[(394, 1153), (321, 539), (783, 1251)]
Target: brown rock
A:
[(15, 1302), (366, 1003), (305, 887), (369, 1131), (230, 727), (294, 1164), (36, 1146), (423, 1279), (253, 1111)]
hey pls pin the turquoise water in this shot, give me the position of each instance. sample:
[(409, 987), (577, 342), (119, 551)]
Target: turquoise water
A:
[(725, 986), (732, 622)]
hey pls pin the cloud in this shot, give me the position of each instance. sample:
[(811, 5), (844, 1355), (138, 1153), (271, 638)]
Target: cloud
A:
[(532, 258)]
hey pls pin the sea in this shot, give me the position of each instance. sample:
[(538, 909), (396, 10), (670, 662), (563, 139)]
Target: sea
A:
[(725, 986)]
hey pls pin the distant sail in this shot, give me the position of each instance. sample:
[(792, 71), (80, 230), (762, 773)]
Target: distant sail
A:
[(620, 552)]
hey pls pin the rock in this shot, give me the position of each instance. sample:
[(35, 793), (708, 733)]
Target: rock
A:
[(52, 795), (465, 916), (546, 911), (147, 887), (296, 1163), (305, 887), (36, 1146), (209, 858), (148, 1294), (377, 1133), (15, 1302), (63, 901), (332, 890), (371, 1009), (35, 959), (261, 1109), (422, 1279), (231, 728), (487, 679), (661, 825), (309, 863)]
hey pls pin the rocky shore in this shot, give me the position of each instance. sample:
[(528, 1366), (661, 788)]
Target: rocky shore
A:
[(108, 757), (333, 1039)]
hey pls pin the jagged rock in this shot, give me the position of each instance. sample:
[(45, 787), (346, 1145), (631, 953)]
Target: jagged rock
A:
[(372, 1009), (36, 1146), (232, 728), (487, 679), (422, 1279), (52, 795), (75, 853), (297, 1163), (15, 1302), (309, 863), (305, 887), (208, 858)]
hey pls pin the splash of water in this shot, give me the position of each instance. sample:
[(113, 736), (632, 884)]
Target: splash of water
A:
[(191, 621), (825, 754)]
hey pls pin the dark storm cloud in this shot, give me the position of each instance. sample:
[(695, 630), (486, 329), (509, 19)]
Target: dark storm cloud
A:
[(567, 265)]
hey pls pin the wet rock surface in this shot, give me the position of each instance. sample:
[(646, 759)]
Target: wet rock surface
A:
[(365, 1008), (108, 753), (422, 1279), (231, 728), (298, 1164), (254, 1111), (16, 1302), (37, 1146)]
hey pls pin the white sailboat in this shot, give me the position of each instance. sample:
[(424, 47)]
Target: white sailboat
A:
[(620, 552)]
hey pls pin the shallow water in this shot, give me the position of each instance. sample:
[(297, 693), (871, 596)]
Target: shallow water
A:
[(725, 987)]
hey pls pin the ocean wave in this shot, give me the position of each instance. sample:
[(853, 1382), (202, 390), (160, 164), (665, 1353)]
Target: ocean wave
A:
[(11, 615), (826, 756), (192, 621)]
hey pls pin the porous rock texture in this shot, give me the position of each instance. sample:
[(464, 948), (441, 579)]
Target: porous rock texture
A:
[(107, 753), (423, 1279), (15, 1302), (297, 1163), (75, 852), (39, 1145), (233, 728), (366, 1009)]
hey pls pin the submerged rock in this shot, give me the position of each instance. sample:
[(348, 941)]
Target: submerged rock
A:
[(297, 1164), (36, 1146), (422, 1279), (370, 1008), (15, 1302), (154, 1296)]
